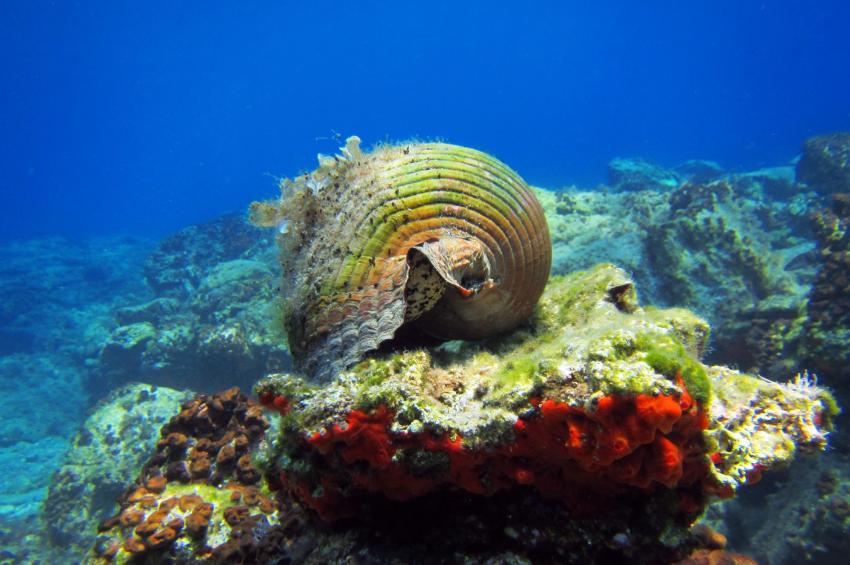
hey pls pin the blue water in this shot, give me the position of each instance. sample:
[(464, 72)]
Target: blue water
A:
[(142, 117)]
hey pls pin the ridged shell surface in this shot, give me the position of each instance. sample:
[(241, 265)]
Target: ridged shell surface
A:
[(442, 238)]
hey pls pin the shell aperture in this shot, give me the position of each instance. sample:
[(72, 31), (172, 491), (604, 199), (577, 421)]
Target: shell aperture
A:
[(442, 237)]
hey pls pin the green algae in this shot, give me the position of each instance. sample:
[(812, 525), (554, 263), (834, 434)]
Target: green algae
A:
[(669, 357)]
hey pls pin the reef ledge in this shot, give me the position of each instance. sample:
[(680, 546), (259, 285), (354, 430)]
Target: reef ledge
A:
[(592, 433)]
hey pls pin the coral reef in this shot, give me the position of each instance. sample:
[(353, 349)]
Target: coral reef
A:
[(112, 444), (199, 496), (206, 326), (597, 401), (825, 163), (430, 238)]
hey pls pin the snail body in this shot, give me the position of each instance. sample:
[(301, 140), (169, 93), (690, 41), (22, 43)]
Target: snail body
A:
[(441, 238)]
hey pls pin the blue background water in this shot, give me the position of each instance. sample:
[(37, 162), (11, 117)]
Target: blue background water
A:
[(142, 117)]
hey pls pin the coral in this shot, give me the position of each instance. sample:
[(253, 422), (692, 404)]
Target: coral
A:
[(598, 400), (825, 163), (424, 238), (199, 495)]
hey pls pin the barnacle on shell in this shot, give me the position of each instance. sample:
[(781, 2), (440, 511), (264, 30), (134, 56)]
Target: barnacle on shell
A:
[(445, 239)]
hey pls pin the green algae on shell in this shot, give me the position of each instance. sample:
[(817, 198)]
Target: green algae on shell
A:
[(438, 237)]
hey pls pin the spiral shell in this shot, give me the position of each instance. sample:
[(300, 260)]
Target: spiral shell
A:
[(441, 238)]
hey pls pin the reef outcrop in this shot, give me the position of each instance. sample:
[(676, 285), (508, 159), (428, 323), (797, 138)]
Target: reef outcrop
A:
[(827, 328), (205, 323), (595, 402), (725, 248), (625, 175), (825, 163), (504, 450)]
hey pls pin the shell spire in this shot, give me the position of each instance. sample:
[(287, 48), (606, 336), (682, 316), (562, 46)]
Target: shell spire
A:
[(437, 237)]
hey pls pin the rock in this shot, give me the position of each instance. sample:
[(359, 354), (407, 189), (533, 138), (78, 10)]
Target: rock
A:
[(148, 312), (801, 518), (726, 253), (738, 257), (181, 261), (698, 171), (775, 182), (112, 444), (596, 391), (208, 326), (637, 174), (33, 431), (825, 163)]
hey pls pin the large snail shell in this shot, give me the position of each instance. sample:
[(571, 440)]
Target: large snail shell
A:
[(440, 236)]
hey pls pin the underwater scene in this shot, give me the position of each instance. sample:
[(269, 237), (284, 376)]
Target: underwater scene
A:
[(446, 282)]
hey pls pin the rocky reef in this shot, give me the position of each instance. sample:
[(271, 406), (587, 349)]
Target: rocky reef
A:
[(725, 248), (760, 256), (58, 295), (827, 327), (625, 175), (597, 405), (206, 325), (825, 163)]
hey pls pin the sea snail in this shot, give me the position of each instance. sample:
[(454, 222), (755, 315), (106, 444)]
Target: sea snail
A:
[(443, 239)]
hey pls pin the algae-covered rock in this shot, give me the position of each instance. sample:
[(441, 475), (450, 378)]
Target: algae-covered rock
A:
[(639, 174), (207, 327), (597, 400), (827, 327), (591, 434), (725, 249), (825, 163), (112, 444)]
